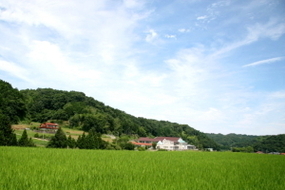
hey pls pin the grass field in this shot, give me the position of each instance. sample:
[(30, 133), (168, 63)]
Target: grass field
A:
[(41, 168)]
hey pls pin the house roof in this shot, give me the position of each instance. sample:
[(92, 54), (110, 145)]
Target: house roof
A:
[(174, 139), (156, 139), (146, 139), (49, 125), (145, 144)]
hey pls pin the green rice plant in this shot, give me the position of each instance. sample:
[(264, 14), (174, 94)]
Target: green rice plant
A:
[(40, 168)]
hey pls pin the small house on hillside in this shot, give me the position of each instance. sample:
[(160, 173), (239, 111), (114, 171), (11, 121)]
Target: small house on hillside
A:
[(49, 126), (168, 143)]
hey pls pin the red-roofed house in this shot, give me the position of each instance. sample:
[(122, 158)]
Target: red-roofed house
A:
[(49, 126)]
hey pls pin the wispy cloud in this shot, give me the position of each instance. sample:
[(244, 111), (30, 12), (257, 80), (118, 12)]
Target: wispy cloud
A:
[(14, 70), (266, 61), (213, 11), (151, 36), (271, 29), (184, 30), (202, 17), (170, 36)]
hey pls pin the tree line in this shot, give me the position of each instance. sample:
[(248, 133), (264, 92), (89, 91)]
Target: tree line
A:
[(92, 140), (12, 109), (249, 143)]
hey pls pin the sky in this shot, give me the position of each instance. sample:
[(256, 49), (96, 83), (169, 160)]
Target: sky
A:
[(218, 66)]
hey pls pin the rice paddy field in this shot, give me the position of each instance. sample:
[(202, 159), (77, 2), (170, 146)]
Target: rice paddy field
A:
[(42, 168)]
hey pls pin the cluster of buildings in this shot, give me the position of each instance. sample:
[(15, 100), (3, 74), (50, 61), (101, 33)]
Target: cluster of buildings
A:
[(167, 143)]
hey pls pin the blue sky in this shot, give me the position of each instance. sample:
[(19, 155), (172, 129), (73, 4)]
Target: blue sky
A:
[(218, 66)]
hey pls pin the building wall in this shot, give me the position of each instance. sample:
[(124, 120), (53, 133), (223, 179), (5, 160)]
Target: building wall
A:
[(170, 145)]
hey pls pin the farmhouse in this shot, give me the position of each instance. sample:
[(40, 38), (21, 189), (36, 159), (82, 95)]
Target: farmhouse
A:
[(49, 126), (168, 143)]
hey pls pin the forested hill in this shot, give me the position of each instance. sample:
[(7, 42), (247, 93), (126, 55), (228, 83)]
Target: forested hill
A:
[(83, 112), (233, 140), (268, 143)]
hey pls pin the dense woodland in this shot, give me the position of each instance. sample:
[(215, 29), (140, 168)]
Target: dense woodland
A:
[(76, 110), (228, 141), (249, 143)]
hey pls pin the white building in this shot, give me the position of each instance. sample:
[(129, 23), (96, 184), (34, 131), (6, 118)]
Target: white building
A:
[(168, 143)]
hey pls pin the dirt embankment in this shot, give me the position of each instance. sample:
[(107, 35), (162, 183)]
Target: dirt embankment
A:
[(19, 127)]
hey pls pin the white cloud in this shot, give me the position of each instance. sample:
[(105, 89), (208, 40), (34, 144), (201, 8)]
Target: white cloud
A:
[(212, 99), (91, 41), (188, 67), (170, 36), (184, 30), (15, 70), (268, 113), (133, 4), (213, 11), (98, 47), (151, 36), (202, 17), (266, 61), (278, 95), (50, 63), (271, 29)]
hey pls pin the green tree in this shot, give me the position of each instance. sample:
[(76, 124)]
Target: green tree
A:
[(7, 135), (248, 149), (31, 142), (233, 140), (113, 146), (75, 120), (71, 143), (124, 143), (272, 143), (92, 141), (81, 141), (59, 140), (140, 148), (24, 140), (97, 121), (154, 145), (11, 102), (129, 146)]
